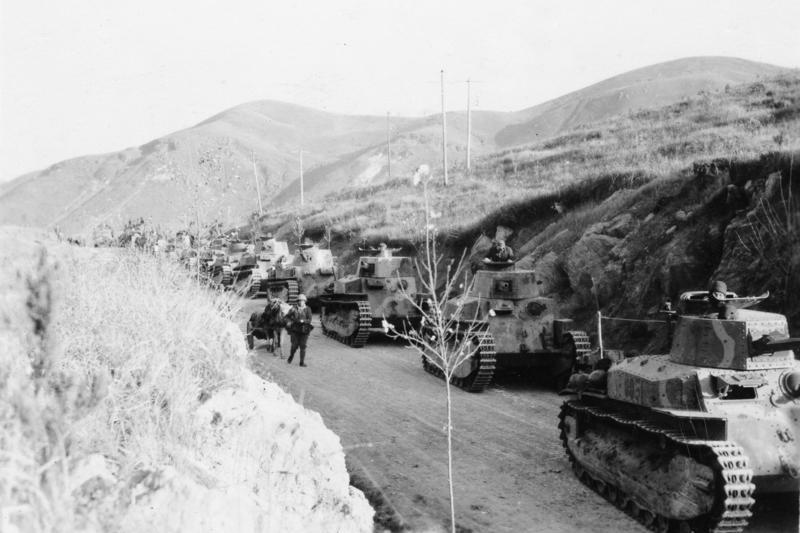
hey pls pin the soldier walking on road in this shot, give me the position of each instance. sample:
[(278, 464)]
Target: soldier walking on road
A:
[(298, 324)]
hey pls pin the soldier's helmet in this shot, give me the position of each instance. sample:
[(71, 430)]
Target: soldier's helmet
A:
[(717, 290)]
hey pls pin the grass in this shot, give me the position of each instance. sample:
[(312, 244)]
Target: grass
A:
[(115, 354), (739, 122)]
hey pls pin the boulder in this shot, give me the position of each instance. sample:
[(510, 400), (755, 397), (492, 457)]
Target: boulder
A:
[(549, 270)]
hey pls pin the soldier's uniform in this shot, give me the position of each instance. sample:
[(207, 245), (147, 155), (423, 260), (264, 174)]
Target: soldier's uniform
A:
[(298, 324)]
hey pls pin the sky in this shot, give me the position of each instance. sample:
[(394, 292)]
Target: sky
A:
[(94, 76)]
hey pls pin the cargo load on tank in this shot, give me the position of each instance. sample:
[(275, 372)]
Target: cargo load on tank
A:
[(358, 304), (513, 329), (686, 440)]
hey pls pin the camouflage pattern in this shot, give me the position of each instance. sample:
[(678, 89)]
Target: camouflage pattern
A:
[(522, 323), (382, 280), (714, 370)]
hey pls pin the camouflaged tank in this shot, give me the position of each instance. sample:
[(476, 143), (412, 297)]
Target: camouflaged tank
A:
[(516, 330), (685, 440), (358, 303)]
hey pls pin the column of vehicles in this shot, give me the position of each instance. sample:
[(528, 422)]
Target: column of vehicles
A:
[(682, 441), (265, 267)]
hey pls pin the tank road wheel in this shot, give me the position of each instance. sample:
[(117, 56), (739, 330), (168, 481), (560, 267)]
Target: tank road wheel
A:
[(710, 482), (227, 277), (347, 322), (476, 372), (255, 284)]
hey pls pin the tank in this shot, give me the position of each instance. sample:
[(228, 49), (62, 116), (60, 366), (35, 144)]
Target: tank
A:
[(270, 275), (357, 304), (685, 440), (215, 269), (515, 329), (314, 269)]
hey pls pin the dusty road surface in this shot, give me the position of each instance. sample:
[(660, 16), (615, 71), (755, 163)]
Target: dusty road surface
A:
[(511, 473)]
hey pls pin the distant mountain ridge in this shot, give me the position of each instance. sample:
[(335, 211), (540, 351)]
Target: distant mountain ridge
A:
[(162, 180)]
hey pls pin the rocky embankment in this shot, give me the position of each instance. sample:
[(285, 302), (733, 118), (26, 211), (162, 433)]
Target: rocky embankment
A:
[(625, 255), (125, 406)]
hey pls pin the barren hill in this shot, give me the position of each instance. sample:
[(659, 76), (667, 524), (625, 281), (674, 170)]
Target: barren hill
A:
[(652, 86), (206, 172)]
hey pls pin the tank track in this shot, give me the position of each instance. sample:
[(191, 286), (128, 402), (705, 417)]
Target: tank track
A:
[(581, 341), (478, 380), (255, 284), (734, 497), (359, 337), (227, 277), (292, 289)]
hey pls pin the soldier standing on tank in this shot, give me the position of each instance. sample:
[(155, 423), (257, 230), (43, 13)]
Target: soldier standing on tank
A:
[(298, 324)]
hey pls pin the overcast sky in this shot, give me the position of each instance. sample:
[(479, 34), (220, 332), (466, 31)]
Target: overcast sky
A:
[(93, 76)]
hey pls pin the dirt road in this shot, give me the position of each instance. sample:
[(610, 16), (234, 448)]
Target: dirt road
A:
[(510, 471)]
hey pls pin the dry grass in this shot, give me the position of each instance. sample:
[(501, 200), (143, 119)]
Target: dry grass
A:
[(117, 351), (738, 123)]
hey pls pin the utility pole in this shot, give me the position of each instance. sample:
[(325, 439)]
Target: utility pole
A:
[(469, 126), (444, 132), (388, 147), (301, 177), (258, 187)]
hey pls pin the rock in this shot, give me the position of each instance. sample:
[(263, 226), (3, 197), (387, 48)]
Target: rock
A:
[(671, 230), (620, 226), (648, 218), (550, 274), (681, 216), (586, 267), (772, 185)]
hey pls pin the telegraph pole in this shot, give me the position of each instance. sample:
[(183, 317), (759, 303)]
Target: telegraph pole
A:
[(388, 147), (469, 126), (258, 187), (301, 177), (444, 132)]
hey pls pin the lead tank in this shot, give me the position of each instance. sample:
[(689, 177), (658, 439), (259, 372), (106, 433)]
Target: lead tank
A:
[(513, 329), (378, 291), (685, 440)]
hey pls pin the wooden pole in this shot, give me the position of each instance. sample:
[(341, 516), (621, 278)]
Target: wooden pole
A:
[(301, 177), (258, 187), (600, 332), (444, 132), (388, 147), (469, 128)]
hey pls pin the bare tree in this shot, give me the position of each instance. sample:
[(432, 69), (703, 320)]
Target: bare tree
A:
[(446, 337)]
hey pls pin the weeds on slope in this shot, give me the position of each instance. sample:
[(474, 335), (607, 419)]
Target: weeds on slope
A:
[(117, 351)]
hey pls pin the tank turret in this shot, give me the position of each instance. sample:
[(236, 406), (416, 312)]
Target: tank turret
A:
[(698, 431)]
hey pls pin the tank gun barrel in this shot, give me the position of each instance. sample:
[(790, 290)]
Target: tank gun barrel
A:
[(767, 344)]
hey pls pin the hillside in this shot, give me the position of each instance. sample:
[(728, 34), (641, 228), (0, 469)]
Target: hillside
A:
[(126, 405), (647, 204), (647, 87), (206, 172)]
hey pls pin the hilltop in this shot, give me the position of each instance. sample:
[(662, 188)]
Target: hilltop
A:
[(207, 171)]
